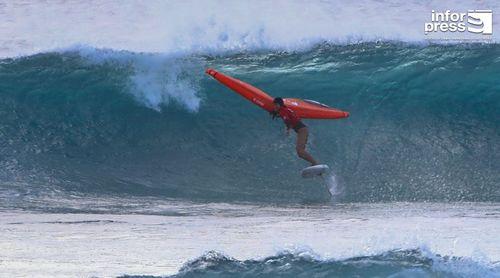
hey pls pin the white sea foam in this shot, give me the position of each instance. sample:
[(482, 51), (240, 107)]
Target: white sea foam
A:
[(333, 185), (213, 26), (157, 79), (62, 245)]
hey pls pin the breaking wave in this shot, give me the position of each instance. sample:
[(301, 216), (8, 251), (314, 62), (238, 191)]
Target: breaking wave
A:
[(423, 126)]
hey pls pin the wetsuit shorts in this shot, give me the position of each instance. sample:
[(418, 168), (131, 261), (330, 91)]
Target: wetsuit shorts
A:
[(298, 126)]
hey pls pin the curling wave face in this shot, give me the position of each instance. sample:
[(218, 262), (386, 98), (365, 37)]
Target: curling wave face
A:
[(423, 126), (396, 263)]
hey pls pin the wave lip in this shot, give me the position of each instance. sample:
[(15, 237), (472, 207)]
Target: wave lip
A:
[(394, 263), (161, 27)]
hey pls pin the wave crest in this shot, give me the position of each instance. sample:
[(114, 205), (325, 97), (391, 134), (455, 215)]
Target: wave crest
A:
[(394, 263), (213, 26)]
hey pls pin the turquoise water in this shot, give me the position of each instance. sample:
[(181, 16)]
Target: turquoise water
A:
[(120, 156), (423, 126)]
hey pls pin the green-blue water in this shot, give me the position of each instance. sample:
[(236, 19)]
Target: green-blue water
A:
[(424, 125), (397, 263)]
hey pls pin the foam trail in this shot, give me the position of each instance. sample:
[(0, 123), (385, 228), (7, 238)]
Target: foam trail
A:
[(333, 186)]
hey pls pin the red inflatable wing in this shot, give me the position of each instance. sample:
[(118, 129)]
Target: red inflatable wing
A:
[(306, 109), (246, 90), (310, 109)]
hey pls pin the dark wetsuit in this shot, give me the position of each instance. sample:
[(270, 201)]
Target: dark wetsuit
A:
[(291, 119)]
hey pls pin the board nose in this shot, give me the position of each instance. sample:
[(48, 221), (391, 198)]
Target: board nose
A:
[(211, 72)]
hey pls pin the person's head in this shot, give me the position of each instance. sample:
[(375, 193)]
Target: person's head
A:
[(278, 103)]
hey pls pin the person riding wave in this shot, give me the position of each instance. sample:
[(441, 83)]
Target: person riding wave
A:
[(292, 120)]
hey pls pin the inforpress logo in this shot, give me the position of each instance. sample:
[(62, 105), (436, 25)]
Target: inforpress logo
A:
[(480, 21), (474, 24)]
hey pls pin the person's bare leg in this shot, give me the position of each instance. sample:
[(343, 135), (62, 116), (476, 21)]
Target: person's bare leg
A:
[(302, 135)]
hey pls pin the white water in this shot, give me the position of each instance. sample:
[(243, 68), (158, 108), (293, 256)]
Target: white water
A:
[(333, 185), (28, 27), (157, 79), (64, 245)]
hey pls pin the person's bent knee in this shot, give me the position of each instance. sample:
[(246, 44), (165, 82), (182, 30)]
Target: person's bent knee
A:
[(302, 155), (301, 151)]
